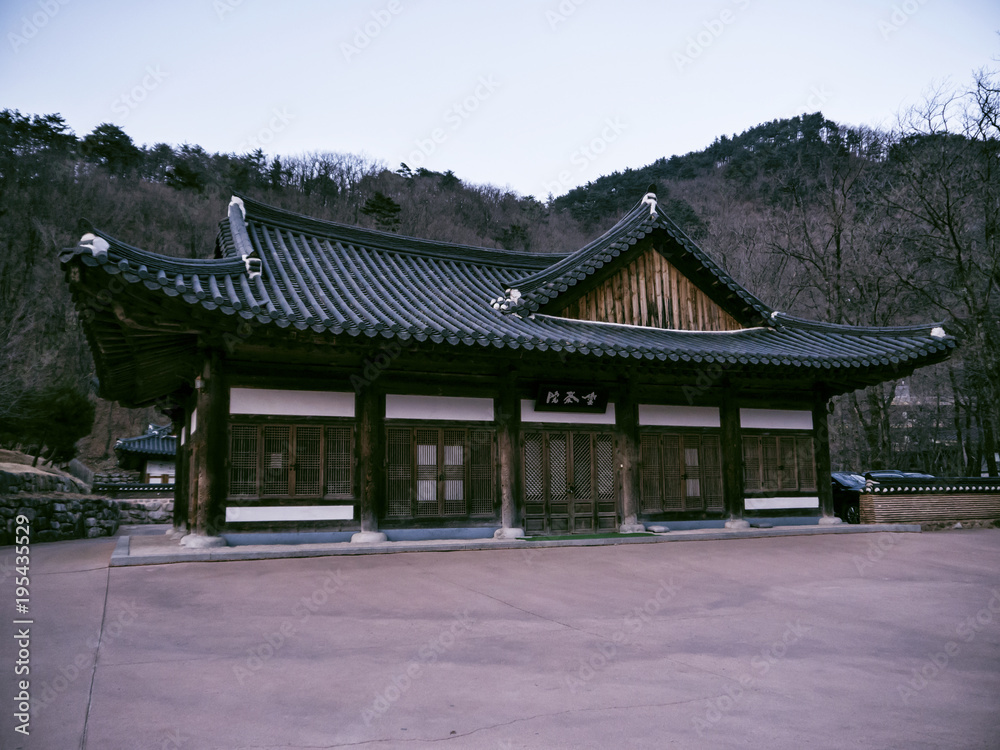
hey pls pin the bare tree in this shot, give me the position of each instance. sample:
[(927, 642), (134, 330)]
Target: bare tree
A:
[(944, 199)]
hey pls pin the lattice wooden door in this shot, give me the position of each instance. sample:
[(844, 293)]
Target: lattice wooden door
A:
[(569, 482)]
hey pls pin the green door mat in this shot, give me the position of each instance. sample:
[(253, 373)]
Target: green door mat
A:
[(563, 537)]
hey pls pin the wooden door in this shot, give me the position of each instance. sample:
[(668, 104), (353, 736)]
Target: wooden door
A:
[(680, 473), (569, 482)]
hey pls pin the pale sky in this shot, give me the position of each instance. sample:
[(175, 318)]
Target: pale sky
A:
[(538, 96)]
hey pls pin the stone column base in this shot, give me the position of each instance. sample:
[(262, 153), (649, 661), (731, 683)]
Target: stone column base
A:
[(369, 537), (737, 523), (631, 528), (509, 533), (200, 541), (830, 521)]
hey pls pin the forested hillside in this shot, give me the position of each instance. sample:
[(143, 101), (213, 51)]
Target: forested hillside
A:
[(820, 220)]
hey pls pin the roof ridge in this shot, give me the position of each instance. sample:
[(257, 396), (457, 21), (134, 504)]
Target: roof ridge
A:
[(793, 321), (375, 239), (570, 260), (536, 290), (132, 254)]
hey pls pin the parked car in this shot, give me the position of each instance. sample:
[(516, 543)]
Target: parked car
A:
[(896, 474), (847, 489)]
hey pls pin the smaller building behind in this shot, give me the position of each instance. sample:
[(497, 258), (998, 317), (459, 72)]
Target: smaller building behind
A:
[(153, 455)]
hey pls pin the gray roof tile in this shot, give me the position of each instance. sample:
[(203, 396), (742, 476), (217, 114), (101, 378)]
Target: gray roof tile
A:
[(334, 278)]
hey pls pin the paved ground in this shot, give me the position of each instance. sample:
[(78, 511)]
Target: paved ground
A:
[(841, 641), (152, 546)]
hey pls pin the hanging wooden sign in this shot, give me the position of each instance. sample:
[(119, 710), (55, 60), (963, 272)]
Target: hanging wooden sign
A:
[(572, 397)]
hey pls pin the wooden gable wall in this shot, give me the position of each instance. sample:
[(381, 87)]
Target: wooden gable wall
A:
[(651, 292)]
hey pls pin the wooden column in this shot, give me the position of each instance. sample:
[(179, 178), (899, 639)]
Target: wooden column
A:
[(210, 448), (193, 461), (370, 414), (732, 460), (507, 410), (180, 473), (192, 483), (821, 447), (627, 458)]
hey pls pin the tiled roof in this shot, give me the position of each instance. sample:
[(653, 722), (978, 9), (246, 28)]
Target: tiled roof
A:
[(153, 443), (288, 270)]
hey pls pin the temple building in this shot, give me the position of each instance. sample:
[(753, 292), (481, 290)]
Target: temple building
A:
[(153, 454), (329, 377)]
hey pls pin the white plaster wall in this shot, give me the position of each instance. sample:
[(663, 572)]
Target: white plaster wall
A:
[(156, 469), (776, 419), (528, 414), (290, 513), (459, 408), (778, 503), (654, 415), (282, 403)]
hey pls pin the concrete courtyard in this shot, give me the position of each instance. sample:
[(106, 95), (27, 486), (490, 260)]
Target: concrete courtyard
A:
[(849, 641)]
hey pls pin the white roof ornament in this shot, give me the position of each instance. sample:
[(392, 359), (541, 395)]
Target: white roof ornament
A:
[(253, 266), (98, 246), (239, 202), (938, 332), (509, 301), (650, 200)]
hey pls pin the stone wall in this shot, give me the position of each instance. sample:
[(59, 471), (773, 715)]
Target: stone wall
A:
[(58, 516), (146, 511), (62, 507), (17, 478), (118, 476), (58, 506)]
